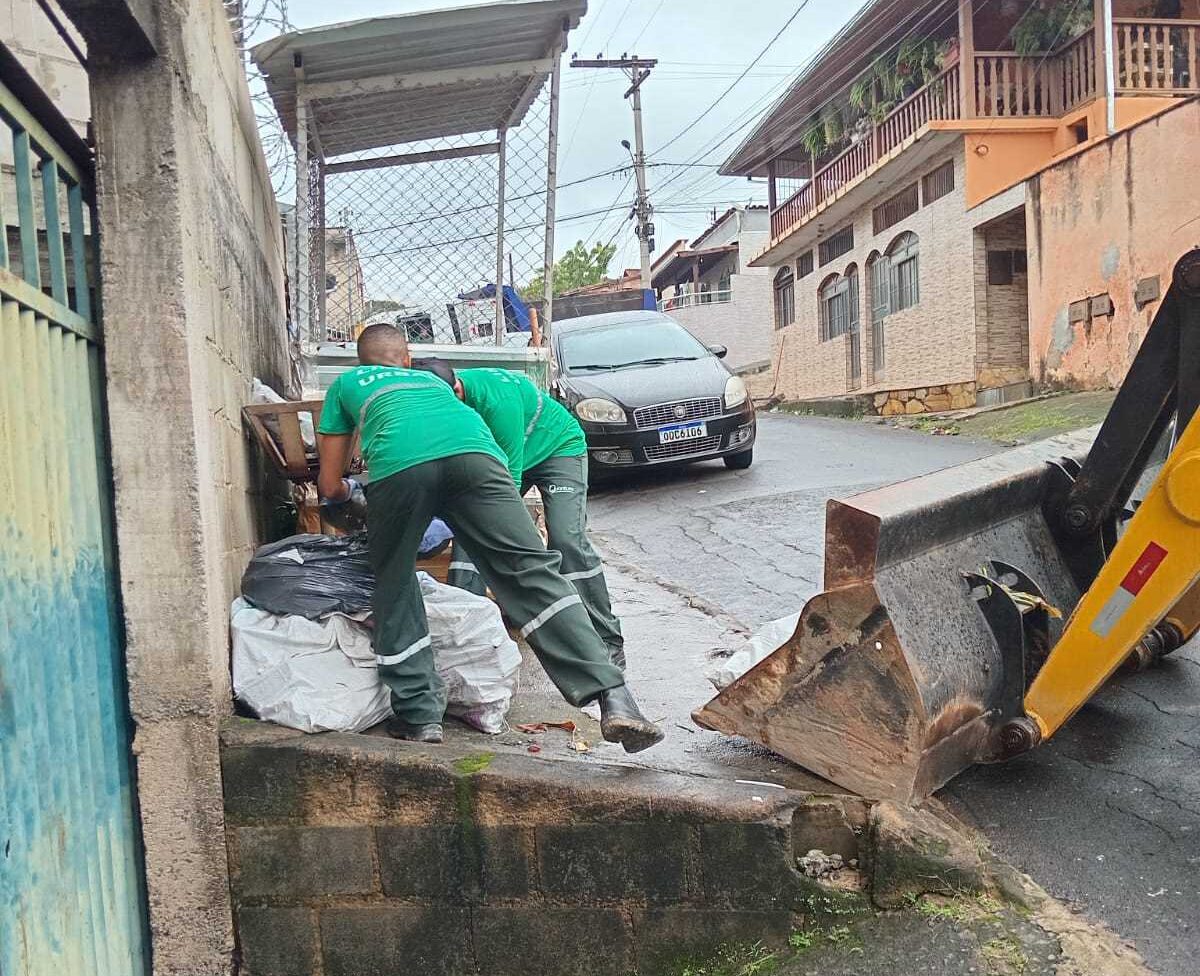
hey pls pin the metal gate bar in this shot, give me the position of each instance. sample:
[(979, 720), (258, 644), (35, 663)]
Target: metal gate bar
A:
[(71, 890)]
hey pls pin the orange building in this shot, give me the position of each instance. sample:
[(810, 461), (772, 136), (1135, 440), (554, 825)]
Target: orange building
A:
[(919, 168)]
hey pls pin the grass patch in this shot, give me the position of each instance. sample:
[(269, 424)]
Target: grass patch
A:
[(960, 909), (1040, 419), (476, 763), (1004, 957), (799, 941)]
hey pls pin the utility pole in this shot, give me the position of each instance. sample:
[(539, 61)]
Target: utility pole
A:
[(637, 70)]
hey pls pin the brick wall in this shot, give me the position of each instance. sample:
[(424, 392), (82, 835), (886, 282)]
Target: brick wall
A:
[(932, 343), (1101, 223), (352, 855), (743, 324)]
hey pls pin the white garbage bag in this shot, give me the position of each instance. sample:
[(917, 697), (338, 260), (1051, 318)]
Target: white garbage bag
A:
[(320, 675), (765, 642), (312, 675), (472, 652)]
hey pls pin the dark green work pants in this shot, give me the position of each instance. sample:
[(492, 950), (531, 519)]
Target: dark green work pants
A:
[(563, 484), (474, 495)]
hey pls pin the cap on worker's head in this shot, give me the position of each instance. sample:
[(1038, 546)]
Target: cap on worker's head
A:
[(439, 368), (383, 345)]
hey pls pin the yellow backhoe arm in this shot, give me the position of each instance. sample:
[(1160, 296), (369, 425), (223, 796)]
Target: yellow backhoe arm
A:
[(1150, 577)]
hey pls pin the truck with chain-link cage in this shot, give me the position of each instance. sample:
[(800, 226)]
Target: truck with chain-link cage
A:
[(425, 153)]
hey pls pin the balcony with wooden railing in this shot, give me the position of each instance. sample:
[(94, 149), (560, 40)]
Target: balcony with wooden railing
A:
[(1152, 57), (941, 99), (1156, 57)]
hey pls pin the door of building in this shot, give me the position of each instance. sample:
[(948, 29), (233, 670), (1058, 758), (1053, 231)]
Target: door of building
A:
[(71, 884)]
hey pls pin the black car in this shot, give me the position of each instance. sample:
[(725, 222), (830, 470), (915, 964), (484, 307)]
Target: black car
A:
[(648, 392)]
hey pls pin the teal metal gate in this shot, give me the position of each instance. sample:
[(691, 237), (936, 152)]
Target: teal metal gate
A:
[(71, 889)]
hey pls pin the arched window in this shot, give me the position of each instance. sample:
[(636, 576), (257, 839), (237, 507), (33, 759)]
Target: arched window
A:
[(835, 306), (785, 298), (904, 256)]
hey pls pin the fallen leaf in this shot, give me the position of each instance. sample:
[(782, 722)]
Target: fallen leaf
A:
[(534, 728)]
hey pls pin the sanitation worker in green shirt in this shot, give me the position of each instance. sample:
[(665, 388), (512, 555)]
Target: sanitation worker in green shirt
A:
[(545, 447), (429, 455)]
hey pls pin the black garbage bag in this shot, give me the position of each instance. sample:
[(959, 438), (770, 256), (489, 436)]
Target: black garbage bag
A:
[(311, 576)]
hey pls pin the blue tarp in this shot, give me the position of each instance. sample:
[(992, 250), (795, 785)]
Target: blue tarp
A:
[(516, 312)]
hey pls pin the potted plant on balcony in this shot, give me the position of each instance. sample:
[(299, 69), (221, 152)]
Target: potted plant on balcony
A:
[(1049, 24), (813, 139), (834, 126)]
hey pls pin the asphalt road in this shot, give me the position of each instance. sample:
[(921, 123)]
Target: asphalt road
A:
[(1106, 816)]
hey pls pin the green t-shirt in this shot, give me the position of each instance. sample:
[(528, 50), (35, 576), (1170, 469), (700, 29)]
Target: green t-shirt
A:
[(529, 426), (407, 417)]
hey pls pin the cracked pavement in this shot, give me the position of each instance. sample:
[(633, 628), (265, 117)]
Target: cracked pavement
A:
[(1106, 816)]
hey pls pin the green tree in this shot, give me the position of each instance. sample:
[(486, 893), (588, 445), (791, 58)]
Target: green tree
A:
[(578, 267)]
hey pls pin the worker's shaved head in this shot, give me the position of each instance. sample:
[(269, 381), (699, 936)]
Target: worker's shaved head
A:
[(383, 345)]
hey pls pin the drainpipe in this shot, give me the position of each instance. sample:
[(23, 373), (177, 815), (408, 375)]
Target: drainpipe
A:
[(1110, 67)]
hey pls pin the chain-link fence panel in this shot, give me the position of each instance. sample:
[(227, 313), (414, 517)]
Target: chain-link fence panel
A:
[(417, 234)]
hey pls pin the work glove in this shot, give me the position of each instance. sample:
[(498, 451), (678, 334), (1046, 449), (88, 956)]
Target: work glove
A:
[(350, 514)]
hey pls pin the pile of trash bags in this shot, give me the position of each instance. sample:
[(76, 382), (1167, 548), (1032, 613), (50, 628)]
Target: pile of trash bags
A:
[(302, 654)]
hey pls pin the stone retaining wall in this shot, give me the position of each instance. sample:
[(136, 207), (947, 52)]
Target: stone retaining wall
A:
[(355, 855), (925, 399)]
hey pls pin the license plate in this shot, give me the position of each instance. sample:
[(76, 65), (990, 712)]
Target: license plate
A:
[(684, 432)]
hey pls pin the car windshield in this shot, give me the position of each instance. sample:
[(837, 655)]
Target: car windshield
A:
[(636, 343)]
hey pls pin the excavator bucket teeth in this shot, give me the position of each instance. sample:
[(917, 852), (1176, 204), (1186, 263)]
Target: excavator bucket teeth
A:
[(893, 682)]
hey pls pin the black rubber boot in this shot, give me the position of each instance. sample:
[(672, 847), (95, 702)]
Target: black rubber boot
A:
[(617, 656), (622, 721), (430, 734)]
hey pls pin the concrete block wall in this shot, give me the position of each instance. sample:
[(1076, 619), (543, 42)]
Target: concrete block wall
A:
[(1100, 223), (353, 855), (742, 324), (192, 278)]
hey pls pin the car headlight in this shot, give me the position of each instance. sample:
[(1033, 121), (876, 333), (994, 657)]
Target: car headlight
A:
[(735, 393), (596, 410)]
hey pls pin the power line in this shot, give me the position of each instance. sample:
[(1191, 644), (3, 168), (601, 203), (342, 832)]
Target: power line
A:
[(713, 146), (761, 54)]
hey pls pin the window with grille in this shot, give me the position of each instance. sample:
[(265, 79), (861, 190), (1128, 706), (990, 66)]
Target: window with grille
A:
[(939, 183), (905, 258), (804, 265), (838, 307), (891, 212), (836, 245), (785, 298)]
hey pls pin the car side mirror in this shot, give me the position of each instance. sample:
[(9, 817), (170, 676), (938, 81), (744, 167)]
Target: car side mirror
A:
[(719, 351)]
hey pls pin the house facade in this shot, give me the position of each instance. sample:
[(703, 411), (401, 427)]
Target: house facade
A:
[(711, 288), (904, 182)]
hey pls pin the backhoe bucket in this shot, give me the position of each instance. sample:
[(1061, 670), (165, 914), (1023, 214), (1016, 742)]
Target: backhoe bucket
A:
[(902, 673)]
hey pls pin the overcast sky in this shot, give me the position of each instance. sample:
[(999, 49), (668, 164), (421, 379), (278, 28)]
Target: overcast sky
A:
[(701, 46)]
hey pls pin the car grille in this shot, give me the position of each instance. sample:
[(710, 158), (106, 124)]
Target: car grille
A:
[(682, 449), (662, 414)]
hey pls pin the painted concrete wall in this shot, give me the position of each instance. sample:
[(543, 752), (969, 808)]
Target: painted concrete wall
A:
[(1098, 224), (32, 38), (192, 277), (742, 324)]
